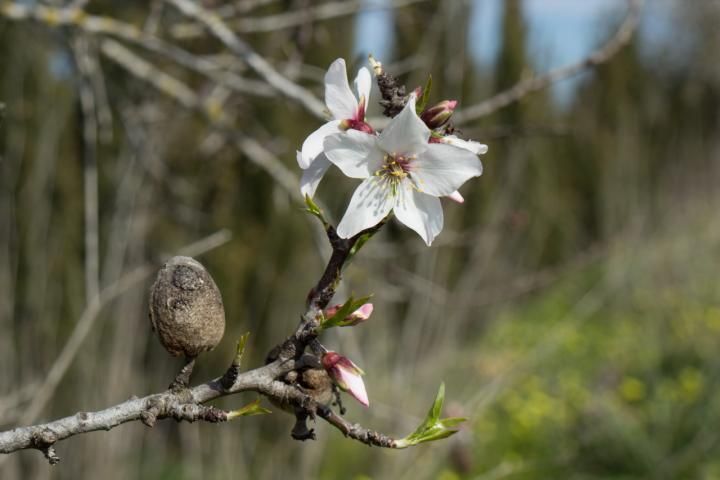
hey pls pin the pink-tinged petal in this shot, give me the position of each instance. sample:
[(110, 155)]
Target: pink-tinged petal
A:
[(363, 83), (355, 153), (475, 147), (354, 385), (331, 311), (442, 169), (313, 174), (313, 144), (422, 213), (360, 315), (370, 203), (364, 312), (348, 364), (346, 375), (456, 197), (338, 97), (406, 134)]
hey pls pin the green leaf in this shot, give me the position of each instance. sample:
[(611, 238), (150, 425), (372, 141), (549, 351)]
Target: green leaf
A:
[(253, 408), (240, 349), (423, 100), (359, 243), (313, 209), (434, 427), (452, 421), (338, 320), (362, 240), (436, 408)]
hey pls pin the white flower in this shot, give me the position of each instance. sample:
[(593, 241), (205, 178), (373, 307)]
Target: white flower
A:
[(348, 113), (402, 173)]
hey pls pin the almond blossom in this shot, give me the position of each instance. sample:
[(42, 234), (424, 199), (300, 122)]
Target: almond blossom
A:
[(402, 172), (346, 375), (348, 113)]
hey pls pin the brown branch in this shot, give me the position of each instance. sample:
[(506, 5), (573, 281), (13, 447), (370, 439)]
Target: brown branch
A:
[(525, 87), (357, 431)]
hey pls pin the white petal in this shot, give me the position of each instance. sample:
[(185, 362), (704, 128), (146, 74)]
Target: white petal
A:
[(475, 147), (355, 153), (338, 97), (406, 133), (420, 212), (441, 169), (311, 176), (313, 144), (363, 83), (355, 385), (370, 203), (456, 197)]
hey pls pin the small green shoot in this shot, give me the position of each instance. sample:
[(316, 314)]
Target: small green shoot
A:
[(424, 97), (434, 427), (313, 209), (253, 408)]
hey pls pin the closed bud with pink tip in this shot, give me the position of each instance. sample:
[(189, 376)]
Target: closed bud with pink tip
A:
[(346, 375), (439, 114), (358, 316)]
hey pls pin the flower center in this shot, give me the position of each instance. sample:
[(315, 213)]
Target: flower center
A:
[(394, 170)]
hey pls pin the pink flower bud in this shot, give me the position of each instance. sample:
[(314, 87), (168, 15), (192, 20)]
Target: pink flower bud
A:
[(331, 311), (358, 316), (361, 314), (456, 197), (438, 115), (346, 375)]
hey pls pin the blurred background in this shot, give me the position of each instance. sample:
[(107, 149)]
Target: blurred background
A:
[(571, 305)]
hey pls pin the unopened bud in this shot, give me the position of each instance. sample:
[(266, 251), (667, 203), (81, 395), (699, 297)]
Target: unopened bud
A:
[(358, 316), (439, 114), (346, 375), (456, 197)]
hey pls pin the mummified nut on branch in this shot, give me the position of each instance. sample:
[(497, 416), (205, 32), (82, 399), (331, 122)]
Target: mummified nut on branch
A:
[(186, 308)]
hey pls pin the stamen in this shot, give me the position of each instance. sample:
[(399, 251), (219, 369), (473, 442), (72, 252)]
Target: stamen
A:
[(395, 169)]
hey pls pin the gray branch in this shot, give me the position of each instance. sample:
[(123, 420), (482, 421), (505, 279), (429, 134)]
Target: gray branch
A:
[(181, 405), (188, 404)]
